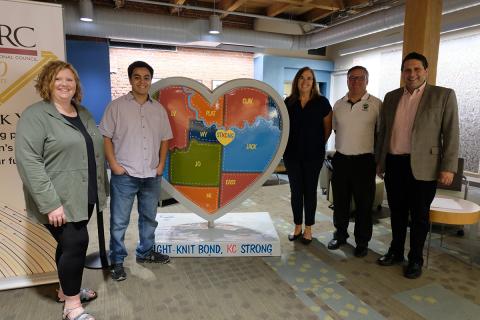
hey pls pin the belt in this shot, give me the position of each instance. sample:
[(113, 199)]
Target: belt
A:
[(403, 155), (354, 156)]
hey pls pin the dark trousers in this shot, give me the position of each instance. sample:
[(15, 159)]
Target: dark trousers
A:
[(72, 243), (303, 177), (353, 176), (407, 197)]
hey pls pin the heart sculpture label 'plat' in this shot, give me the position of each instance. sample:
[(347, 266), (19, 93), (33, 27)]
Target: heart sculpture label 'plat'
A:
[(225, 144)]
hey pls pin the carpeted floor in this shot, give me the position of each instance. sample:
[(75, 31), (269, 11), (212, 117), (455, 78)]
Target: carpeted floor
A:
[(306, 282)]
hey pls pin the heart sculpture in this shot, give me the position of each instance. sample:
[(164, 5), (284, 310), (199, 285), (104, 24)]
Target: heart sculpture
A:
[(225, 144)]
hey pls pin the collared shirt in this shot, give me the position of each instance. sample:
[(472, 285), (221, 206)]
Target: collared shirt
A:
[(355, 124), (137, 132), (401, 140)]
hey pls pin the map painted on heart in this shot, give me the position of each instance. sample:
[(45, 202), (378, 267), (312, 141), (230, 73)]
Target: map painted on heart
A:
[(219, 149)]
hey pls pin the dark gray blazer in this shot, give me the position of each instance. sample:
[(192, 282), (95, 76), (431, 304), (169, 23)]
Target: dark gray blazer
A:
[(435, 133)]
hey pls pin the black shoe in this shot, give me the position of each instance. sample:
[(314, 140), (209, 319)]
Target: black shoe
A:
[(334, 244), (118, 273), (413, 270), (360, 251), (293, 237), (389, 260), (154, 257), (305, 241)]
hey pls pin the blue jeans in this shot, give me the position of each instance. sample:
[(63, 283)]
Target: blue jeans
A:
[(123, 189)]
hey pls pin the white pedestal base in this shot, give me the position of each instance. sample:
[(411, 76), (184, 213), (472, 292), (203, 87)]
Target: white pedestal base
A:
[(233, 235)]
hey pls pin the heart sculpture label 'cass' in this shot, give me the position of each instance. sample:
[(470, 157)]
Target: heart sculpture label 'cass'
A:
[(225, 144)]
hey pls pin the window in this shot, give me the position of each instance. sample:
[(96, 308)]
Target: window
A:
[(216, 83)]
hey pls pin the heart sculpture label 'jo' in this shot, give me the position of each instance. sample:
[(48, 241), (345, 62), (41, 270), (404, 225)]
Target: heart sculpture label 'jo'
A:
[(225, 144)]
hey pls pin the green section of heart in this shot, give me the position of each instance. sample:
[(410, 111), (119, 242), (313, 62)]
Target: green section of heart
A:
[(199, 165)]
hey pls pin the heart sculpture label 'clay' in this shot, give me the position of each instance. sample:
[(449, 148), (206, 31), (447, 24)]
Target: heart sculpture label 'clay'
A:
[(225, 144)]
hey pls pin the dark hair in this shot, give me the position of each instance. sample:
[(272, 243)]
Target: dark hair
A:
[(415, 56), (296, 93), (357, 68), (139, 64)]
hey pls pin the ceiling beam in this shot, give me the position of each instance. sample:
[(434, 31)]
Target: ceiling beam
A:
[(229, 5), (315, 15), (176, 9), (277, 8), (307, 4), (352, 3), (341, 4), (314, 4)]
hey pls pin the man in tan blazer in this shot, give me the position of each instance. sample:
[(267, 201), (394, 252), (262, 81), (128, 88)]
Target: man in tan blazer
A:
[(417, 146)]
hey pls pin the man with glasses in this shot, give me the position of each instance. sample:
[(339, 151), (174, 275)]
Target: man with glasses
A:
[(136, 131), (417, 146), (355, 119)]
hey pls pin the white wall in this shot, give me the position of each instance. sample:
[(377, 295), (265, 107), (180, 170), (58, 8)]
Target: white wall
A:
[(458, 68)]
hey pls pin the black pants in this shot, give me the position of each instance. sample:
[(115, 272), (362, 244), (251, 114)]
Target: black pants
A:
[(303, 177), (72, 244), (407, 196), (353, 176)]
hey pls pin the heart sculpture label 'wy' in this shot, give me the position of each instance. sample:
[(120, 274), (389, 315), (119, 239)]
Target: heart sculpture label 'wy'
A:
[(225, 144)]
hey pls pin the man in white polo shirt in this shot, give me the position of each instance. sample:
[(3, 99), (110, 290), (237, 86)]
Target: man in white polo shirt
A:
[(136, 131), (355, 119)]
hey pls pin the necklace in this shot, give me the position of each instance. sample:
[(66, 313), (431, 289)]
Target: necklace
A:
[(68, 111)]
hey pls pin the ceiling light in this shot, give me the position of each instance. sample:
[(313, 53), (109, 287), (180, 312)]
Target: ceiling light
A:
[(215, 24), (86, 10)]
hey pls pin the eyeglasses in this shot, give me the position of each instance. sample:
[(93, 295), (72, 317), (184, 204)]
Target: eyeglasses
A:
[(359, 78)]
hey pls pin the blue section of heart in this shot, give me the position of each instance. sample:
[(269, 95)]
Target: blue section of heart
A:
[(274, 113), (200, 132), (253, 148), (166, 170)]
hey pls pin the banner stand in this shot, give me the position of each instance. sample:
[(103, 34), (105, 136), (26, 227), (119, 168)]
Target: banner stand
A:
[(99, 259), (32, 35)]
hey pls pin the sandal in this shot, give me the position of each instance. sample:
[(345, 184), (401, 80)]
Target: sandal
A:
[(86, 295), (81, 316)]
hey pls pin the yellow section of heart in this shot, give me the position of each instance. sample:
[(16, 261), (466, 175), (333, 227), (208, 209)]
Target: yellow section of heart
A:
[(225, 137)]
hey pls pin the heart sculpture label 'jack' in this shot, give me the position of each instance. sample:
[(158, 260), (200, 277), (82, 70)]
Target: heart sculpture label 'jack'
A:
[(225, 144)]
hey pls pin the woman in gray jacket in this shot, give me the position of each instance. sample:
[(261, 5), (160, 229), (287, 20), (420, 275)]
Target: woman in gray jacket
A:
[(60, 159)]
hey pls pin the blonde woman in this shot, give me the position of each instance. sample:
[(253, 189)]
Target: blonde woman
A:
[(60, 159)]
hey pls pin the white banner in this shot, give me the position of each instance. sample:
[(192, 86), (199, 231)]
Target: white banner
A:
[(31, 35)]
